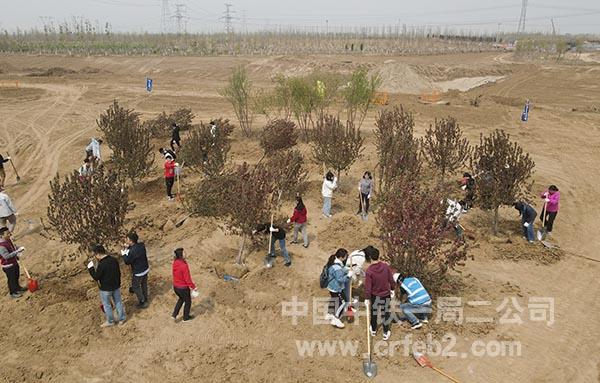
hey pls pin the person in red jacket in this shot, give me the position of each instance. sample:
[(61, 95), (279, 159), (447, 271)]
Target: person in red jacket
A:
[(9, 255), (379, 283), (169, 175), (299, 220), (183, 286)]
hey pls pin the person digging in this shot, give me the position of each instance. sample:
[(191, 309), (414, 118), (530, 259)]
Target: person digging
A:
[(277, 235), (9, 257), (418, 302), (528, 214)]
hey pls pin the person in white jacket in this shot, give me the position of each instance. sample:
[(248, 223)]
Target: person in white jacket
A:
[(92, 151), (329, 185), (8, 212)]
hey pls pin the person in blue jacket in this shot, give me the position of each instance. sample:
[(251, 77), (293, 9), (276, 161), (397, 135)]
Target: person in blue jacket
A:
[(418, 301), (338, 277), (528, 214)]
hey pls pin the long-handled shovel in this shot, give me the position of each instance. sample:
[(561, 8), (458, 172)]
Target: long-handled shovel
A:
[(32, 284), (542, 232), (369, 367), (13, 166), (424, 362), (268, 258), (350, 310)]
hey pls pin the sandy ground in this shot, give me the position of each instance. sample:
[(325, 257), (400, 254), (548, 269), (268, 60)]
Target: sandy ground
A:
[(239, 332)]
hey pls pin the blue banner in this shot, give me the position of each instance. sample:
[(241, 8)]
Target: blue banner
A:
[(148, 84), (525, 114)]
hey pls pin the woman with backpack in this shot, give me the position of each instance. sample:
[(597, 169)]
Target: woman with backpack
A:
[(299, 220), (337, 278)]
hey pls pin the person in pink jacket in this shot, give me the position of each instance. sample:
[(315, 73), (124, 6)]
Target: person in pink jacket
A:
[(550, 210)]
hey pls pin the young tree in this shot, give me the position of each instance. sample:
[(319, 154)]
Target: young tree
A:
[(397, 149), (335, 144), (304, 100), (416, 239), (207, 147), (504, 171), (239, 93), (444, 146), (89, 210), (358, 95), (287, 172), (278, 135), (161, 125), (132, 155)]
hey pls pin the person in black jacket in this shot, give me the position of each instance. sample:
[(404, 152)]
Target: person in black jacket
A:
[(277, 235), (3, 160), (175, 138), (528, 215), (134, 254), (108, 275)]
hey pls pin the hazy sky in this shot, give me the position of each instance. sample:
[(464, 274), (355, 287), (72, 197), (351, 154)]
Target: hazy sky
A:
[(574, 16)]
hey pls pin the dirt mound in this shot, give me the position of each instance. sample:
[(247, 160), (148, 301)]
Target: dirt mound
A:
[(350, 231), (398, 77), (51, 72), (444, 73)]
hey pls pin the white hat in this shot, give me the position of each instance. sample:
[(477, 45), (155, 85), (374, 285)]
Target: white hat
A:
[(396, 276)]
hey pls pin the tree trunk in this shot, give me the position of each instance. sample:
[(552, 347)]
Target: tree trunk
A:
[(240, 257), (339, 171), (496, 221)]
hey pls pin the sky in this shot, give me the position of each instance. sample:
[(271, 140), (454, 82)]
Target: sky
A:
[(574, 16)]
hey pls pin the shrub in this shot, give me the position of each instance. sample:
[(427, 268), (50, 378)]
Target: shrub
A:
[(358, 94), (161, 125), (87, 211)]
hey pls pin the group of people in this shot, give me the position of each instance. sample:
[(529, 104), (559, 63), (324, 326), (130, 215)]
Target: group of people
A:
[(105, 269), (528, 214), (365, 189), (380, 283)]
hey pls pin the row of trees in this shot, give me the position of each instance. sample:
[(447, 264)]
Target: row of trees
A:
[(308, 99), (415, 236)]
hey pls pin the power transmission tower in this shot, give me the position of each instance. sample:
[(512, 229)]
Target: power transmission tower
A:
[(553, 27), (521, 27), (165, 17), (228, 17), (180, 16)]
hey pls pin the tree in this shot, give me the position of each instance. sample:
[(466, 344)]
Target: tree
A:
[(504, 171), (207, 147), (239, 93), (304, 101), (444, 146), (132, 153), (397, 149), (278, 135), (85, 211), (358, 95), (416, 239), (335, 144), (286, 172), (161, 125)]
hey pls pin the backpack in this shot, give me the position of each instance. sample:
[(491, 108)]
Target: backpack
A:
[(324, 277)]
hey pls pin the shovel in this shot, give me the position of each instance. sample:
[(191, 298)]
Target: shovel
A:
[(32, 284), (542, 232), (369, 367), (350, 311), (13, 166), (424, 362)]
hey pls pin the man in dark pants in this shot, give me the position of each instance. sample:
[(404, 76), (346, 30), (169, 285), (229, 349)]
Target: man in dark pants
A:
[(277, 235), (108, 274), (9, 255), (175, 137), (379, 283), (134, 254)]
